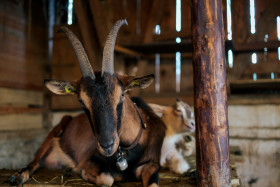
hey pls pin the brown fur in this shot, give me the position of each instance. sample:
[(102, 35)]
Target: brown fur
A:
[(73, 144), (92, 142)]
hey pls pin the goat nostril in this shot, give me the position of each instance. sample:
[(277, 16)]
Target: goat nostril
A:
[(107, 145), (192, 124)]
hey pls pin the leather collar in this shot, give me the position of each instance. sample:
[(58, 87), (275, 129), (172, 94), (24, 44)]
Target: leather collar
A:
[(143, 126)]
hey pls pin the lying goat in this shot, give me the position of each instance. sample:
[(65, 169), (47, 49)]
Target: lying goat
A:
[(113, 140), (177, 143)]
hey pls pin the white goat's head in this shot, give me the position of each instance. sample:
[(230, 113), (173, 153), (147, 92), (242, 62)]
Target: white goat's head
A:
[(178, 117)]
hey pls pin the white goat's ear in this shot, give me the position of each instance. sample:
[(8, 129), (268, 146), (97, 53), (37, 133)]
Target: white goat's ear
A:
[(177, 105), (60, 87), (158, 109)]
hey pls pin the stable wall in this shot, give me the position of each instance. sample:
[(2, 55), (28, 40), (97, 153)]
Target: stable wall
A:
[(23, 63), (256, 130)]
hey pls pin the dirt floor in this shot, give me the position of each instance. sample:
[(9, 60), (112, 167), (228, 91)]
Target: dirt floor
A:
[(52, 178)]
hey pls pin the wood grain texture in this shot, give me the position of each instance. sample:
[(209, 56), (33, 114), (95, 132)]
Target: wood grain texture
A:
[(19, 110), (98, 21), (23, 49), (88, 34), (20, 98), (210, 94), (20, 121)]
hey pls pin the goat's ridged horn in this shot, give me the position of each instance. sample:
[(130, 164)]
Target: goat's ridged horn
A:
[(82, 57), (108, 51)]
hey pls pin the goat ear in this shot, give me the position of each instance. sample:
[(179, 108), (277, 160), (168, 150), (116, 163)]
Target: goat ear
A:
[(60, 87), (178, 102), (142, 82), (158, 109)]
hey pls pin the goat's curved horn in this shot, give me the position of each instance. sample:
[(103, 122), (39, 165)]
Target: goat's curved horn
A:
[(82, 57), (108, 51)]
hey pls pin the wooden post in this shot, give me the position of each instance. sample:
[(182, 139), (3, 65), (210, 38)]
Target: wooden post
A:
[(210, 94)]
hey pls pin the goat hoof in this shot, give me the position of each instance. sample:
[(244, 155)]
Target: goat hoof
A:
[(12, 179), (19, 177), (191, 175)]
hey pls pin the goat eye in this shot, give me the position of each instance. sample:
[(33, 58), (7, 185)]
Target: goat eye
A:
[(178, 112), (122, 98)]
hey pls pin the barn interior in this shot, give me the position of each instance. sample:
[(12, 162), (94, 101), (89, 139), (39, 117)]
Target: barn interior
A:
[(157, 40)]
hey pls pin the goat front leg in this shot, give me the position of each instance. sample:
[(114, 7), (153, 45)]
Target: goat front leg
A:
[(48, 146), (148, 174), (24, 174), (90, 172), (178, 164), (103, 179), (51, 156)]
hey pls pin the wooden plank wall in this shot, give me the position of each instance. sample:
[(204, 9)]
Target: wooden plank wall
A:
[(110, 11), (23, 58), (266, 13)]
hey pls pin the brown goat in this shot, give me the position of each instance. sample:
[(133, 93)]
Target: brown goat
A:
[(115, 139)]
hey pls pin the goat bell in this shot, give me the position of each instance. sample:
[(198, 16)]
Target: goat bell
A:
[(122, 164), (121, 161)]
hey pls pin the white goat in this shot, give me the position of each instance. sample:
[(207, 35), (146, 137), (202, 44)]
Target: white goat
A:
[(178, 141)]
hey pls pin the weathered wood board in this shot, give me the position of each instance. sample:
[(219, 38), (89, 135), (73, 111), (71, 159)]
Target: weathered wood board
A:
[(20, 121), (17, 97), (259, 122), (20, 109), (23, 49)]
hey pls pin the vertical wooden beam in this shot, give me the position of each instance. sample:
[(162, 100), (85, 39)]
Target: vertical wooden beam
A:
[(88, 32), (98, 19), (47, 117), (210, 94)]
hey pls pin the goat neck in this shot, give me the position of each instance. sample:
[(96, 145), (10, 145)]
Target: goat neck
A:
[(131, 123)]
